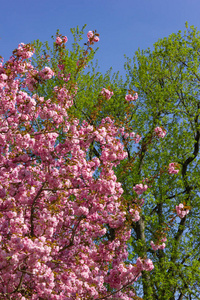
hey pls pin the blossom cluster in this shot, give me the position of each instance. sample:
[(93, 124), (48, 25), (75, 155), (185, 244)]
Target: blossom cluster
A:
[(181, 210), (60, 41), (132, 135), (172, 169), (46, 73), (107, 93), (135, 214), (92, 37), (140, 188), (132, 273), (160, 132), (130, 97), (24, 51), (159, 246)]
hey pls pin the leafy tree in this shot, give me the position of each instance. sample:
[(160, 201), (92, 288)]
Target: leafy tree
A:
[(167, 80)]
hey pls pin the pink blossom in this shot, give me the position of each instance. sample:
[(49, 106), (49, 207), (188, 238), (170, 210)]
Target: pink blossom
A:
[(96, 39), (126, 135), (148, 265), (129, 97), (46, 73), (24, 51), (181, 211), (162, 246), (58, 40), (90, 34), (140, 188), (171, 169), (107, 93), (3, 77), (65, 39), (132, 134), (137, 138), (61, 67), (160, 132), (164, 239), (144, 265), (135, 214), (155, 247)]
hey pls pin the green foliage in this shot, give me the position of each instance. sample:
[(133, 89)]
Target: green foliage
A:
[(167, 80)]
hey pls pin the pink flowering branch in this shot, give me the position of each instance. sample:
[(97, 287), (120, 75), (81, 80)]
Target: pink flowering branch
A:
[(122, 288)]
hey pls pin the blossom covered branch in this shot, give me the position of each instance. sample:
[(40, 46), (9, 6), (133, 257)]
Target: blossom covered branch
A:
[(54, 210)]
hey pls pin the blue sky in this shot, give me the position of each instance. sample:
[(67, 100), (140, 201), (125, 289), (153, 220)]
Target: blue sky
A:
[(123, 25)]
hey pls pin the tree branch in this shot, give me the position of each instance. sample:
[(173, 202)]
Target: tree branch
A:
[(33, 209)]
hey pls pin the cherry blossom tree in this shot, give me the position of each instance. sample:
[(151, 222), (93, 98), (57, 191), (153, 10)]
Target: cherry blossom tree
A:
[(58, 206)]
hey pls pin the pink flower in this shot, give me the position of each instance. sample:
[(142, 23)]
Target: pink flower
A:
[(181, 211), (135, 214), (163, 239), (61, 67), (3, 77), (96, 39), (161, 247), (148, 265), (140, 188), (65, 39), (129, 97), (160, 132), (172, 169), (126, 135), (90, 34), (137, 138), (155, 247), (144, 265), (24, 51), (58, 40), (106, 93), (46, 73), (132, 134)]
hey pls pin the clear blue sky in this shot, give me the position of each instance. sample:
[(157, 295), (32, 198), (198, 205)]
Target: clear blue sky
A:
[(123, 25)]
